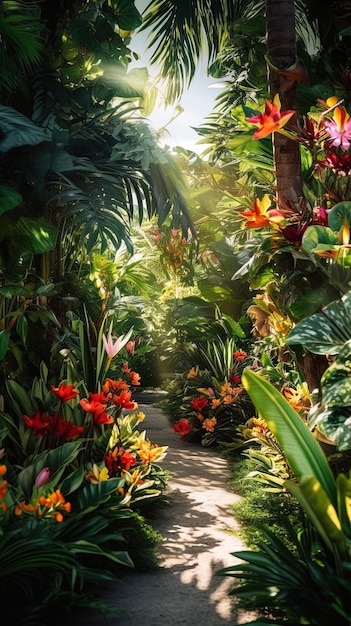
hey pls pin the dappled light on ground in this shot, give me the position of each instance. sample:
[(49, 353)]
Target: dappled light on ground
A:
[(197, 527)]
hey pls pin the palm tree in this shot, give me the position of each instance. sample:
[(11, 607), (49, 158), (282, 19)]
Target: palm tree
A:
[(182, 30)]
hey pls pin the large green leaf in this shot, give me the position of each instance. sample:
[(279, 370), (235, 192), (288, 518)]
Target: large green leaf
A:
[(91, 496), (338, 215), (127, 16), (32, 235), (327, 331), (321, 512), (301, 449), (9, 198), (18, 130)]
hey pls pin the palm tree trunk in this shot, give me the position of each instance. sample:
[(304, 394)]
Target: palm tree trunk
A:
[(281, 53)]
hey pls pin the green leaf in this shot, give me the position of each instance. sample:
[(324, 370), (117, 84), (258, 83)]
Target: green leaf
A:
[(4, 342), (127, 16), (91, 496), (9, 198), (22, 328), (315, 502), (33, 235), (301, 449), (315, 235), (338, 215), (327, 331)]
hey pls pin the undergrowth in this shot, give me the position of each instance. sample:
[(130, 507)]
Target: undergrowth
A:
[(259, 508)]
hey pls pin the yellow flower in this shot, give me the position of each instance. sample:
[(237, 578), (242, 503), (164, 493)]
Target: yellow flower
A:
[(149, 452), (97, 475)]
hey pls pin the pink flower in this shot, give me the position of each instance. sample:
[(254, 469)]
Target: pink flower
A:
[(112, 348), (42, 477), (339, 128)]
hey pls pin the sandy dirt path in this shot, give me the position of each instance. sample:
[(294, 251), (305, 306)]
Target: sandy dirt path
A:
[(195, 527)]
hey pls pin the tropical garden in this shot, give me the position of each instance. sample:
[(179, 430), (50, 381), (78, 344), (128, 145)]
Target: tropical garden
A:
[(228, 272)]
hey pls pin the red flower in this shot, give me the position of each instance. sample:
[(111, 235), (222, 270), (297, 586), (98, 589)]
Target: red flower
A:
[(64, 392), (183, 427), (63, 429), (114, 385), (236, 380), (123, 400), (199, 403), (118, 460), (38, 422), (240, 355), (97, 408)]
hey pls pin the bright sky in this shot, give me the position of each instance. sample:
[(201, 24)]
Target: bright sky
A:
[(197, 102)]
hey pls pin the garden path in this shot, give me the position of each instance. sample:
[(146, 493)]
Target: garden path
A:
[(195, 527)]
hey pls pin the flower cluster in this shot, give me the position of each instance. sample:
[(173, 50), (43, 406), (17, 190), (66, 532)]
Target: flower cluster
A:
[(326, 135), (209, 413), (50, 506)]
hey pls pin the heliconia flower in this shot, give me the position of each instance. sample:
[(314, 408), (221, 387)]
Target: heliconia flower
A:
[(261, 215), (236, 380), (118, 460), (339, 128), (65, 430), (271, 119), (42, 477), (64, 392)]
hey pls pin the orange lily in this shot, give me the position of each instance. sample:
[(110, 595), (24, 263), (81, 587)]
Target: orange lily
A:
[(262, 215), (271, 119)]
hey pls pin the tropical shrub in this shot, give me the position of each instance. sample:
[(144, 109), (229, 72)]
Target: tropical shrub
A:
[(208, 404), (310, 586), (74, 469)]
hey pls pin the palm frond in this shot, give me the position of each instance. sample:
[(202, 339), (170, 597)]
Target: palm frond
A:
[(21, 43), (180, 33)]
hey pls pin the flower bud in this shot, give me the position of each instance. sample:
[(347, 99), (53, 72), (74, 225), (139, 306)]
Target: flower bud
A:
[(42, 477)]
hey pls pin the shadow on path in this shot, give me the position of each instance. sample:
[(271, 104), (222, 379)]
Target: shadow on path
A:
[(196, 543)]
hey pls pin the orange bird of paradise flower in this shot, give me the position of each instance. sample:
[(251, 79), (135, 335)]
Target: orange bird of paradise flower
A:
[(261, 215), (271, 119)]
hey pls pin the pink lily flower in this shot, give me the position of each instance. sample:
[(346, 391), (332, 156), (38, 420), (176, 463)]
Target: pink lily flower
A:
[(113, 347)]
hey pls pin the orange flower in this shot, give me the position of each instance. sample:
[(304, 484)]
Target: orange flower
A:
[(193, 372), (271, 119), (209, 424), (296, 399), (215, 403), (3, 469), (240, 355), (261, 215)]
